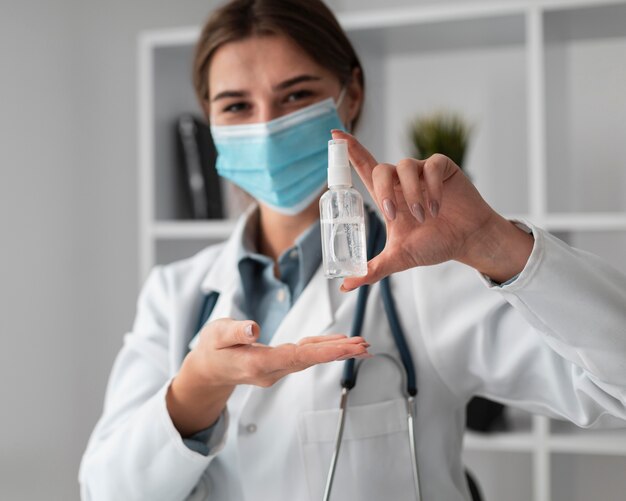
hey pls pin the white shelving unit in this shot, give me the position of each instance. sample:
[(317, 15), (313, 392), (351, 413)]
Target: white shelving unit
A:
[(543, 82)]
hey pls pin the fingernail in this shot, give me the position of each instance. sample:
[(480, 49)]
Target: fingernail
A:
[(389, 208), (249, 330), (418, 212), (434, 208)]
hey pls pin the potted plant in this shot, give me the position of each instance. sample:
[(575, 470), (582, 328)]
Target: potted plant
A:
[(442, 132)]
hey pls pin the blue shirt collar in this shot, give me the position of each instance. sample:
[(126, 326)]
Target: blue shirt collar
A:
[(308, 253)]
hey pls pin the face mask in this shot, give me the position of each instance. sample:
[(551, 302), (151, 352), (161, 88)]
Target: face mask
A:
[(281, 163)]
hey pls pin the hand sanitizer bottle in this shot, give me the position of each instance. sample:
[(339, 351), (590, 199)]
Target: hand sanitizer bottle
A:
[(342, 218)]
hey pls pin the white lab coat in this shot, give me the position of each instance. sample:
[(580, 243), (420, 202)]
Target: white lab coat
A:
[(553, 342)]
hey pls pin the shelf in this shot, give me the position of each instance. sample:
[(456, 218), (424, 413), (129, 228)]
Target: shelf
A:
[(175, 240), (169, 37), (602, 222), (194, 230), (523, 441), (608, 221), (595, 443), (566, 437), (584, 477), (394, 18)]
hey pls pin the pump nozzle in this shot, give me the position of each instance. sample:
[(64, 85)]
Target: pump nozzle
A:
[(338, 165)]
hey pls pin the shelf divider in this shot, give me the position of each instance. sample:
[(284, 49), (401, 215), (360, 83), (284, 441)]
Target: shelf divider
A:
[(537, 179), (541, 459)]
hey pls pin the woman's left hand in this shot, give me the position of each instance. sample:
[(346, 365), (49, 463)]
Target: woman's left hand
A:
[(434, 214)]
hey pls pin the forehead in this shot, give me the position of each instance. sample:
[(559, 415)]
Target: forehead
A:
[(259, 61)]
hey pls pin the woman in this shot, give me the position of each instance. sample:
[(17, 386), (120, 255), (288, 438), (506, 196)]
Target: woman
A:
[(540, 327)]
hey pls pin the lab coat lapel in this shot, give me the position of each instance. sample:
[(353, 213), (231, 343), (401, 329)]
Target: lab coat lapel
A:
[(223, 278), (226, 307)]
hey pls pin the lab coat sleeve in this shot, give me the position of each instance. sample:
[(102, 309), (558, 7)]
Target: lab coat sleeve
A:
[(135, 452), (553, 341), (202, 442)]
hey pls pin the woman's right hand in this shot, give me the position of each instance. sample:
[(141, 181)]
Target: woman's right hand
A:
[(227, 354)]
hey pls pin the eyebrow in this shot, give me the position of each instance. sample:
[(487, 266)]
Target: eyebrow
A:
[(281, 86)]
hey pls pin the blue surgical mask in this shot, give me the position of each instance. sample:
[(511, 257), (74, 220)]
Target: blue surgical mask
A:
[(281, 163)]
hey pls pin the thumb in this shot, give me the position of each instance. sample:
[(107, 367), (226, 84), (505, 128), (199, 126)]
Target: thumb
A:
[(227, 332), (377, 269)]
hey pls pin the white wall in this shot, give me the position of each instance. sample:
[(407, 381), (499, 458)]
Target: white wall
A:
[(37, 277), (68, 222)]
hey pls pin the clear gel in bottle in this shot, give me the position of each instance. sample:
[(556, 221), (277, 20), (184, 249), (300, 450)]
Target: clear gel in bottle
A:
[(342, 218)]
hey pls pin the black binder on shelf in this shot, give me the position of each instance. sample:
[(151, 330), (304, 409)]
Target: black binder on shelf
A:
[(197, 155)]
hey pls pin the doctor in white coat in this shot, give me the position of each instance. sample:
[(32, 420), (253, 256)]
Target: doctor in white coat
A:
[(490, 307)]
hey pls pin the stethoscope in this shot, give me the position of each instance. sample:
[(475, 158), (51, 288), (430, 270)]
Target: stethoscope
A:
[(375, 244)]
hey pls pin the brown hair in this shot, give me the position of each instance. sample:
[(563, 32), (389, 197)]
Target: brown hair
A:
[(309, 23)]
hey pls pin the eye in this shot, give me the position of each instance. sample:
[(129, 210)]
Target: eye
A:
[(298, 95), (236, 107)]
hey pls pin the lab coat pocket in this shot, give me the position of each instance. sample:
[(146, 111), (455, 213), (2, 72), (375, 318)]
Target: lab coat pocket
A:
[(374, 461)]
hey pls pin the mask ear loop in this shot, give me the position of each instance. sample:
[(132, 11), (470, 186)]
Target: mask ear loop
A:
[(342, 94)]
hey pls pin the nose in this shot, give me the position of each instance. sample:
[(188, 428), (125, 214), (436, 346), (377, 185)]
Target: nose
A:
[(268, 110)]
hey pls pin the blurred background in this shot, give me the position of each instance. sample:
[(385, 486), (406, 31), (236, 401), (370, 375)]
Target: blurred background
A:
[(73, 251)]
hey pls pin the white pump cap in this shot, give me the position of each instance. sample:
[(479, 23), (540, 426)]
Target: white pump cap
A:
[(338, 165)]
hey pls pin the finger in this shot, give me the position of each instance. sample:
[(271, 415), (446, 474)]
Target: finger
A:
[(317, 339), (293, 358), (333, 338), (437, 169), (362, 160), (323, 353), (409, 171), (226, 332), (356, 357), (377, 269), (275, 376), (433, 177), (383, 178)]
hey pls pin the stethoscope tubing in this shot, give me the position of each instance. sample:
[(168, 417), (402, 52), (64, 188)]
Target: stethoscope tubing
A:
[(410, 416), (375, 244), (338, 439)]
